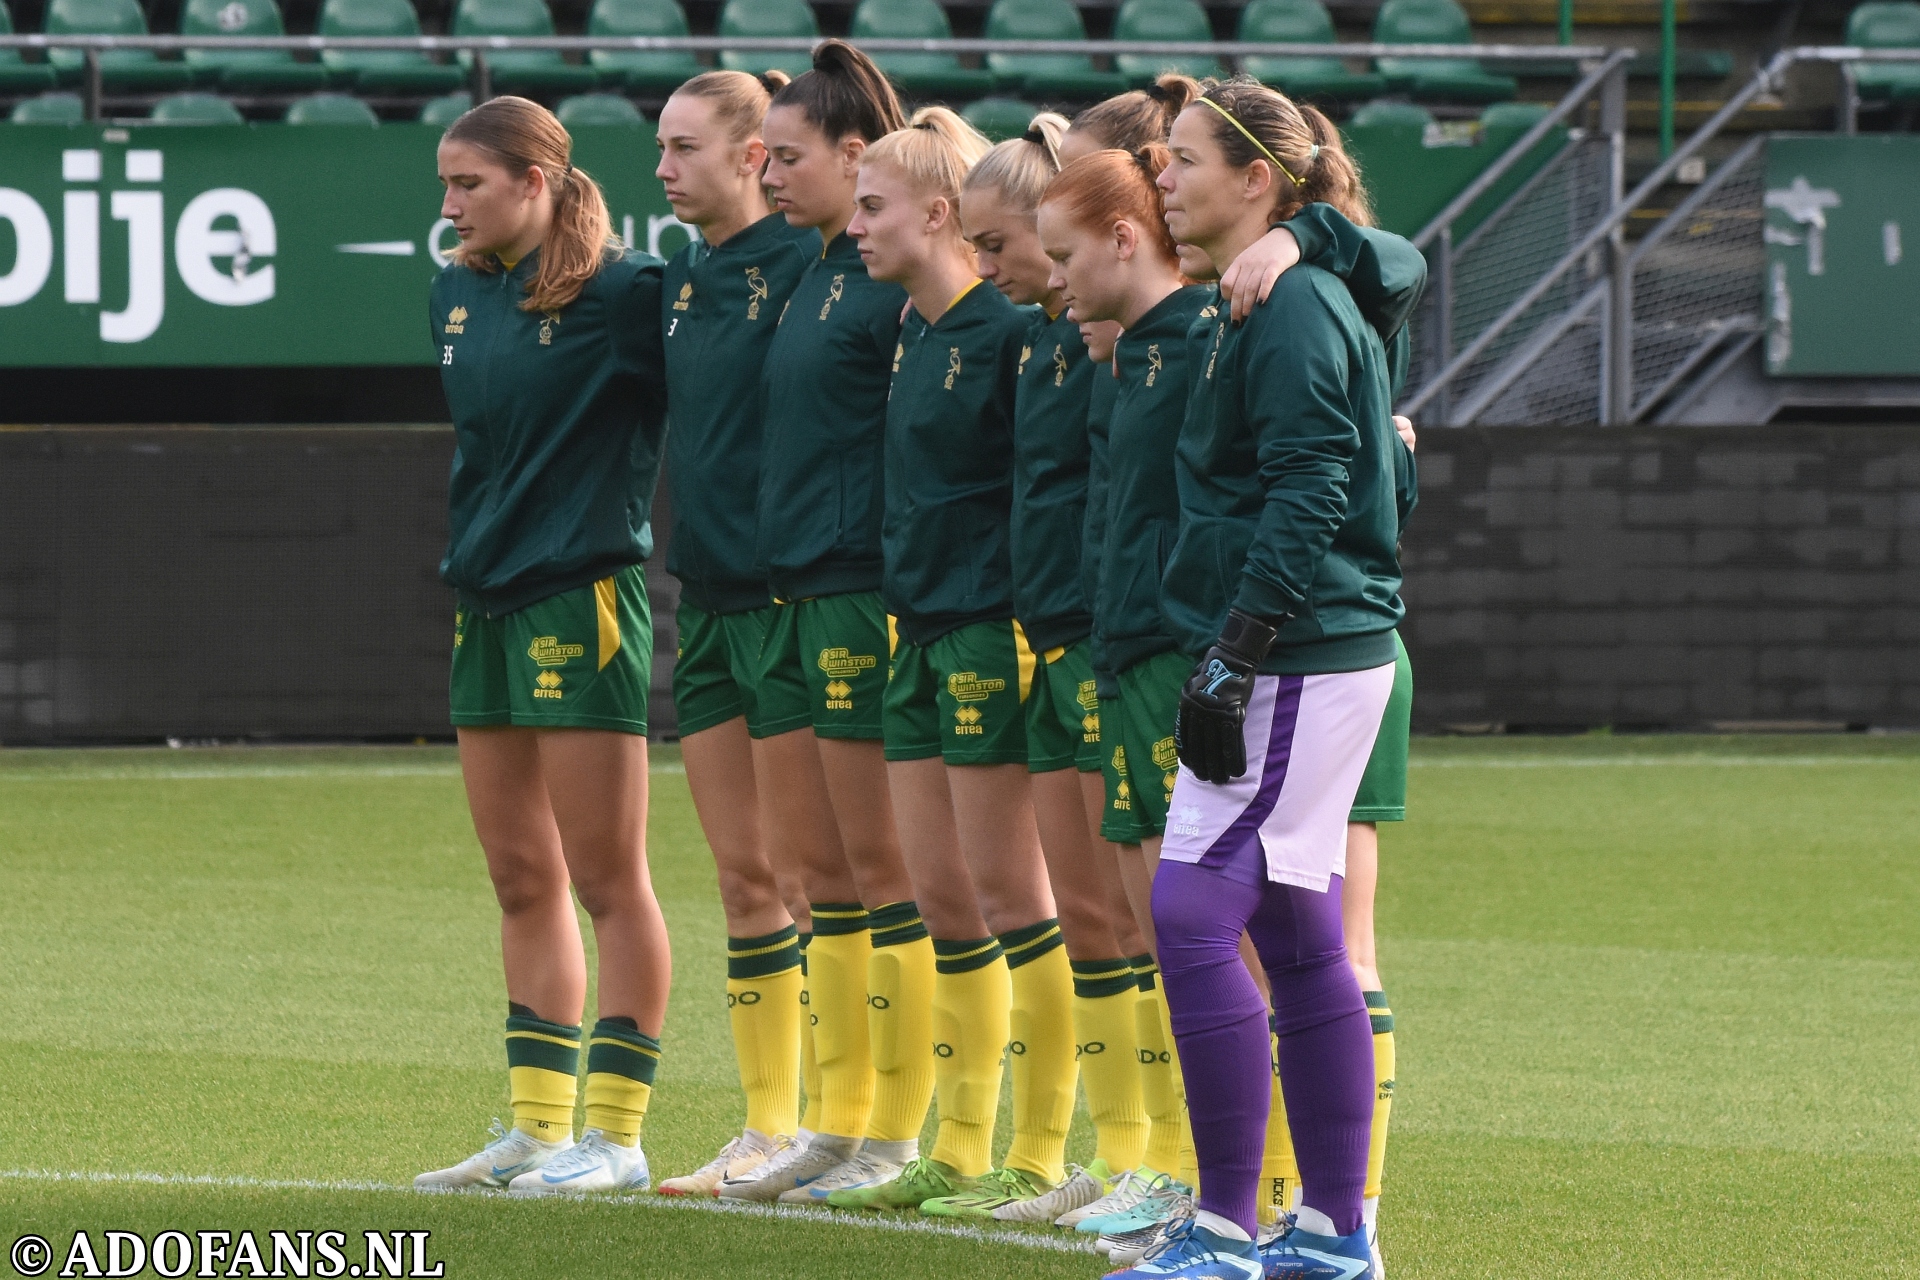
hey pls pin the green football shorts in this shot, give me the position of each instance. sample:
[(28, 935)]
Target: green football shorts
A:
[(1117, 822), (1063, 712), (831, 650), (717, 675), (1142, 735), (578, 660), (1383, 787), (960, 697)]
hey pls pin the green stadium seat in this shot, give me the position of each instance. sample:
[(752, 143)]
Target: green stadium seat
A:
[(331, 108), (598, 108), (1435, 79), (920, 74), (245, 70), (1891, 25), (767, 19), (444, 111), (1045, 75), (1000, 118), (1159, 22), (50, 108), (520, 70), (195, 108), (382, 70), (637, 69), (121, 70), (17, 75), (1301, 22)]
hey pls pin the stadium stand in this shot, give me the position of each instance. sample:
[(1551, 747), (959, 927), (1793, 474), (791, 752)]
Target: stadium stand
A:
[(245, 70), (195, 108), (121, 70), (1000, 118), (1045, 75), (767, 18), (597, 109), (520, 70), (1435, 79), (17, 75), (49, 108), (935, 75), (1158, 22), (637, 70), (1316, 79), (331, 108), (374, 71), (1886, 24), (445, 110)]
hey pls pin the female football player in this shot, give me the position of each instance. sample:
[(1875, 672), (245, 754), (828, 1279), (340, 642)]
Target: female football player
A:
[(550, 354)]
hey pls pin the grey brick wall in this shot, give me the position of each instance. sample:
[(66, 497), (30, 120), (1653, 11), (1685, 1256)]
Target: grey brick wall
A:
[(1673, 577)]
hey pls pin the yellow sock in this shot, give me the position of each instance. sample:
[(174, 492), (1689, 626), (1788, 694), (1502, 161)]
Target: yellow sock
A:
[(972, 998), (543, 1072), (1104, 995), (900, 1022), (1382, 1091), (809, 1064), (1279, 1176), (837, 1001), (763, 1005), (621, 1061), (1189, 1171), (1040, 1048), (1156, 1075)]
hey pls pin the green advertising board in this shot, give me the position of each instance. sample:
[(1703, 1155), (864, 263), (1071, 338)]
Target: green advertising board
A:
[(260, 244), (1842, 294)]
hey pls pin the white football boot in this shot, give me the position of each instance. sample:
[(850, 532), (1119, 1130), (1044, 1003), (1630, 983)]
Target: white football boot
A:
[(511, 1153), (737, 1159), (795, 1167), (1081, 1188), (877, 1162), (593, 1165)]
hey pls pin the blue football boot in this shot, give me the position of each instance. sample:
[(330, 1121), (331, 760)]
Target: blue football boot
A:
[(1190, 1251), (1302, 1255)]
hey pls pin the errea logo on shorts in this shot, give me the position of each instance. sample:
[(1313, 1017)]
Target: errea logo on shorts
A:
[(547, 651), (547, 685), (967, 722), (966, 686), (1186, 822)]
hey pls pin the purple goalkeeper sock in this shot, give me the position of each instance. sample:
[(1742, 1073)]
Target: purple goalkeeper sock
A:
[(1220, 1026), (1326, 1045)]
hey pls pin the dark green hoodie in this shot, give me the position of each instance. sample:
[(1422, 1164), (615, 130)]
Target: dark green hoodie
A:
[(1106, 390), (557, 421), (949, 465), (1289, 488), (1050, 452), (722, 307), (824, 386)]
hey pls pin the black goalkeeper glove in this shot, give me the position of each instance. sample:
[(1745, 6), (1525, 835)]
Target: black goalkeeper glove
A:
[(1208, 735)]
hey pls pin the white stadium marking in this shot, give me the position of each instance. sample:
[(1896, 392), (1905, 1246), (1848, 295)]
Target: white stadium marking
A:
[(255, 771), (1661, 762), (859, 1222)]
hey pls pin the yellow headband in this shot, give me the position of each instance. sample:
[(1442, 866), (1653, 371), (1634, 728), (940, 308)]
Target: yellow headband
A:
[(1229, 118)]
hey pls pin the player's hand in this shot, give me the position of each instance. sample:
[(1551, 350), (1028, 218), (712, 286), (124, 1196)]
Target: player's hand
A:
[(1249, 278), (1405, 427), (1209, 732)]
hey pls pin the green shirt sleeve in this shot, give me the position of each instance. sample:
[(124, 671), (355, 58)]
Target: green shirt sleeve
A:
[(1384, 272), (633, 324), (1304, 437)]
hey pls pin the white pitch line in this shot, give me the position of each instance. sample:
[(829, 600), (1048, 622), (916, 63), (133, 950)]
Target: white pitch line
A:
[(791, 1213), (256, 772), (1658, 762)]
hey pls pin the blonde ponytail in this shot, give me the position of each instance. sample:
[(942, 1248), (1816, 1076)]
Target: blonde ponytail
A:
[(935, 152), (1020, 168), (520, 135)]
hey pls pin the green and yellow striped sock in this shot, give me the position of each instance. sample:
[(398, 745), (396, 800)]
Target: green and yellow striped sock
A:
[(809, 1063), (1040, 1048), (621, 1060), (899, 1021), (763, 1006), (543, 1070), (1157, 1092), (837, 1007), (1383, 1065), (972, 996), (1104, 994)]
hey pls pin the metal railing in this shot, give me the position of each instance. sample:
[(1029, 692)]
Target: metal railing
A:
[(92, 46), (1651, 318)]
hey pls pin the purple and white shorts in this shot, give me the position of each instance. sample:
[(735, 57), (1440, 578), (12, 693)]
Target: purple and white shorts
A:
[(1285, 819)]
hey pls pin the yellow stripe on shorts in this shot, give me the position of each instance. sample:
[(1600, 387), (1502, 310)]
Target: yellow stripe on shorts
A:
[(606, 601), (1024, 653)]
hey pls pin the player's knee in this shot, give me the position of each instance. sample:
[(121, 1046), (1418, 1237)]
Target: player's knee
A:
[(746, 890), (523, 887)]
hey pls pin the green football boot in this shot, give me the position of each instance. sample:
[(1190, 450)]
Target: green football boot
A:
[(992, 1191), (921, 1180)]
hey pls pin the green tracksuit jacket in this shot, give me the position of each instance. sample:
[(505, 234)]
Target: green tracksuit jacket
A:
[(949, 466), (1106, 390), (1050, 455), (557, 422), (824, 390), (721, 308)]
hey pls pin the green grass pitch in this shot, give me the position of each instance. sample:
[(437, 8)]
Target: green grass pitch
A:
[(1656, 998)]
